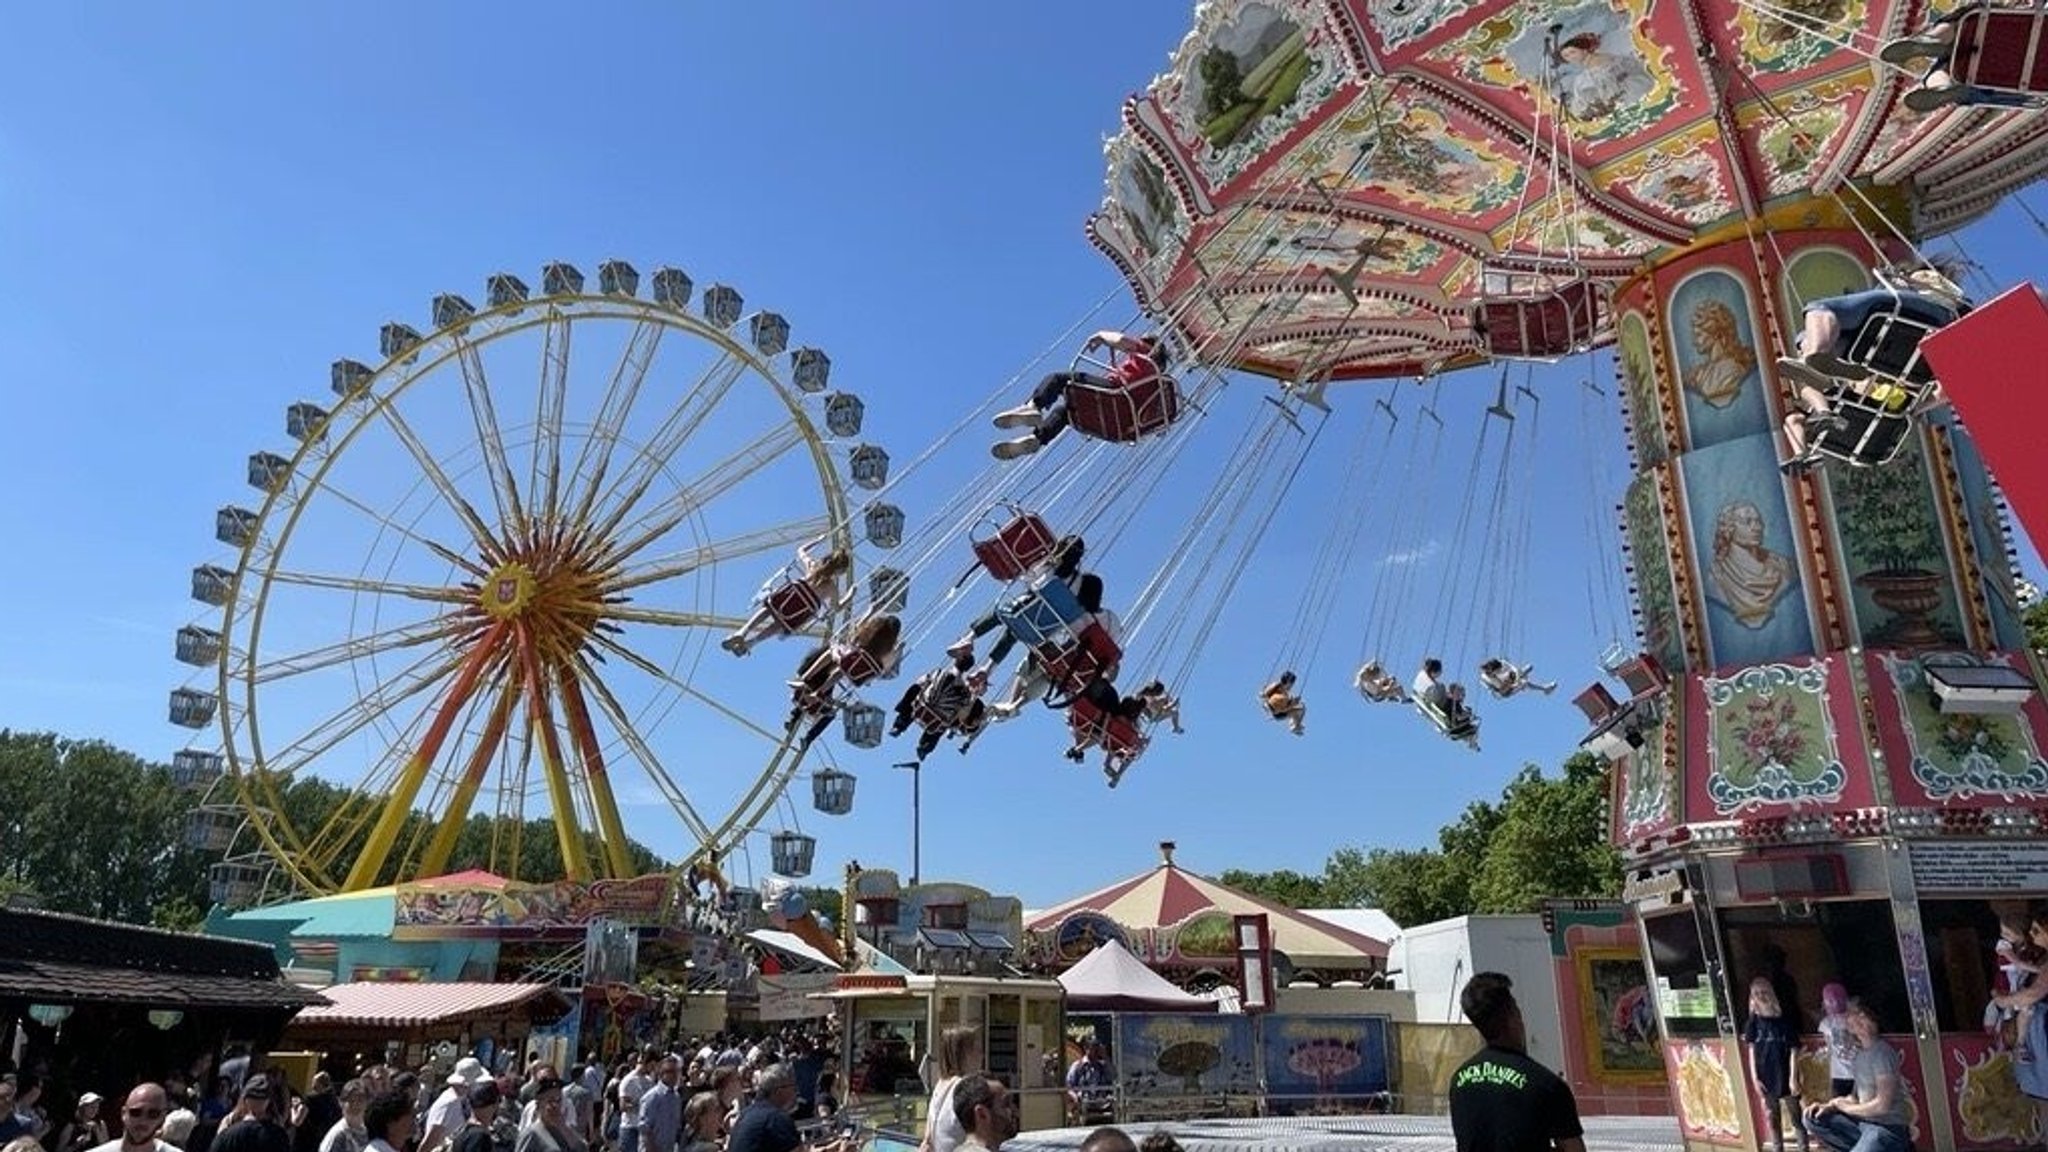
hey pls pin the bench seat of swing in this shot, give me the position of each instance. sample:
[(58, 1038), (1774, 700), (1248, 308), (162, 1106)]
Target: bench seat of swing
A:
[(1541, 326), (2004, 51), (1016, 547), (1116, 734), (1467, 728), (1123, 414)]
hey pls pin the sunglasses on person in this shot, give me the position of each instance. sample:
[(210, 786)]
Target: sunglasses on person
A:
[(144, 1113)]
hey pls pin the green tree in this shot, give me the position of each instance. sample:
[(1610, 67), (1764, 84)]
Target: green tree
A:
[(825, 902), (1285, 886), (2036, 619), (1222, 82)]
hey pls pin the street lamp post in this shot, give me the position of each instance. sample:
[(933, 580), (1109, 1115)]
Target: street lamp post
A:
[(916, 817)]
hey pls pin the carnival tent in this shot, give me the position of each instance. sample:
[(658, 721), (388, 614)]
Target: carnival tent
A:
[(1110, 979), (1171, 897)]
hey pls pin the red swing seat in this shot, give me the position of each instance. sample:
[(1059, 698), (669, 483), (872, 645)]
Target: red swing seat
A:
[(1071, 664), (1117, 735), (1123, 415), (927, 717), (1542, 325), (859, 666), (794, 605), (2005, 51), (1017, 547)]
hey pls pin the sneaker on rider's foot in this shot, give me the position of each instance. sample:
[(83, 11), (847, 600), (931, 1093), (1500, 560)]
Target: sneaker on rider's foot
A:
[(1022, 416), (1014, 449), (1907, 49)]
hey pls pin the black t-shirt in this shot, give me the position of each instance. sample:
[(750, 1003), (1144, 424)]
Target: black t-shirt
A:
[(253, 1136), (1502, 1101), (763, 1127)]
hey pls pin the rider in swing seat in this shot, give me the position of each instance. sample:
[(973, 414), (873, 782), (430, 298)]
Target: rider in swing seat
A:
[(1938, 85), (1504, 679), (1102, 695), (1925, 296), (1378, 685), (820, 574), (1161, 705), (1282, 704), (1062, 564), (1445, 703), (1137, 360), (947, 694)]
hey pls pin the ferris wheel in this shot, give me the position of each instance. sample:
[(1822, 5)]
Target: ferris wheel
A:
[(475, 594)]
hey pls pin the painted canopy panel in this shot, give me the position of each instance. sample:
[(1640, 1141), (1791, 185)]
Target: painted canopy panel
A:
[(1332, 185)]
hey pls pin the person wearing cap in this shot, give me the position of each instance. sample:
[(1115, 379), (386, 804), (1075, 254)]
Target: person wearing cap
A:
[(451, 1108), (141, 1118), (257, 1123), (476, 1135), (85, 1129)]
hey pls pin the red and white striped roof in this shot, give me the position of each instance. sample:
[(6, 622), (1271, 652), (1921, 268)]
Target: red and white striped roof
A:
[(1169, 895), (401, 1005)]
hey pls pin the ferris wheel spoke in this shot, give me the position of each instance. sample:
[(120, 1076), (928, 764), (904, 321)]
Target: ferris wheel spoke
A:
[(597, 784), (384, 834), (550, 400), (540, 721), (632, 614), (673, 564), (483, 413), (434, 861), (675, 432), (436, 547), (720, 478), (426, 672), (595, 453), (427, 592), (480, 532), (434, 629), (629, 735), (611, 644)]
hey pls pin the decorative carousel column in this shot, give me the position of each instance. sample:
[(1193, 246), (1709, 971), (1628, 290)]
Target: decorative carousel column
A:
[(1803, 771)]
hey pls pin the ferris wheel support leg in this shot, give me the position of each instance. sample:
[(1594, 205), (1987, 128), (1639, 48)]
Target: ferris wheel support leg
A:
[(442, 846), (398, 807), (618, 862), (568, 834)]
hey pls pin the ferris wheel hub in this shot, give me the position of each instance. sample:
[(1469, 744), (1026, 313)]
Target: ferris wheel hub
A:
[(508, 591)]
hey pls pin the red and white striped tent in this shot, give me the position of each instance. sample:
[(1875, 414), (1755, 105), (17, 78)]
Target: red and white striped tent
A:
[(1169, 916)]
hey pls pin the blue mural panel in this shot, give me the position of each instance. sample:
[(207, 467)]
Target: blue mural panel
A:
[(1714, 346), (1987, 532), (1170, 1064), (1324, 1065), (1747, 553)]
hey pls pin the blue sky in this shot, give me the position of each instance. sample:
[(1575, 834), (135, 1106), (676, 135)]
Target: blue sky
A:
[(201, 208)]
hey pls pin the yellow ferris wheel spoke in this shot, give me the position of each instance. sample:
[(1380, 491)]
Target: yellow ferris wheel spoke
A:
[(549, 402), (486, 541), (432, 630), (596, 780), (422, 675), (483, 414), (659, 673), (673, 564), (632, 614), (541, 723), (669, 439), (427, 592), (434, 861), (715, 481), (384, 834), (619, 398), (629, 735)]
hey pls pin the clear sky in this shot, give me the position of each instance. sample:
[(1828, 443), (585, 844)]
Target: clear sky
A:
[(201, 207)]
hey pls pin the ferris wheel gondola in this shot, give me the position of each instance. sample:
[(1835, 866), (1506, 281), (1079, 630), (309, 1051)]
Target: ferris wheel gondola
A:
[(537, 528)]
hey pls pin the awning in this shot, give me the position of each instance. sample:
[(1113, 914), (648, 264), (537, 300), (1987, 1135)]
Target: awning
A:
[(400, 1005), (53, 958), (62, 982)]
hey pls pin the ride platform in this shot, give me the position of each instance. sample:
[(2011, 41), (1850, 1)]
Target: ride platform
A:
[(1348, 1134)]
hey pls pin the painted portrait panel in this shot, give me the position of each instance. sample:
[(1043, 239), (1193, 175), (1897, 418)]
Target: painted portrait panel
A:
[(1747, 553), (1712, 330), (1902, 586)]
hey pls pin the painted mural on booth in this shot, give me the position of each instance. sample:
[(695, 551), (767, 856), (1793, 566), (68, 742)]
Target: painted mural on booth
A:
[(1817, 274), (1987, 533), (1712, 329), (1773, 741), (1747, 553), (1963, 755), (1647, 548), (1639, 377), (1902, 587), (1170, 1065)]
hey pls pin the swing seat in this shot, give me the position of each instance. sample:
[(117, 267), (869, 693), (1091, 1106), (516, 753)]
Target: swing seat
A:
[(1016, 548), (1888, 344), (860, 667), (1463, 730), (1869, 433), (2005, 51), (1540, 326), (1071, 664), (1044, 614), (1117, 735), (927, 717), (1123, 415), (794, 605)]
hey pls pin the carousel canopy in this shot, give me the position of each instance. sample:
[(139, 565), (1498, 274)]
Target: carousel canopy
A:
[(1110, 979), (1330, 186), (1171, 897)]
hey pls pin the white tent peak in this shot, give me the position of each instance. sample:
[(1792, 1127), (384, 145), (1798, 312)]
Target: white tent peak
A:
[(1110, 979)]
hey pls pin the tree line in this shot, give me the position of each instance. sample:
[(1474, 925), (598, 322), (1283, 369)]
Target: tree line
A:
[(90, 829), (1546, 836)]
